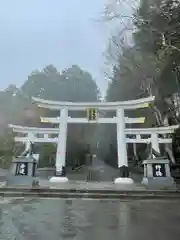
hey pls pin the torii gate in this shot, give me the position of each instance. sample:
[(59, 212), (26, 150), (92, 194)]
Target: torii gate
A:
[(120, 120), (140, 135), (50, 135)]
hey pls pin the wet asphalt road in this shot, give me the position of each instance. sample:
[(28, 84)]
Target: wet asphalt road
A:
[(55, 219)]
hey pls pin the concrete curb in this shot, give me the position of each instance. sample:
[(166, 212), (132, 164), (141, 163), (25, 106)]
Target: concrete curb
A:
[(84, 190), (88, 194)]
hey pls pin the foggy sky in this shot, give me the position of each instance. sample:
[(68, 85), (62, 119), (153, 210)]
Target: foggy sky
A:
[(35, 33)]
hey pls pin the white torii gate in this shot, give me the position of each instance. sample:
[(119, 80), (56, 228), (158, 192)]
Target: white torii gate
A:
[(51, 135), (154, 139), (120, 120)]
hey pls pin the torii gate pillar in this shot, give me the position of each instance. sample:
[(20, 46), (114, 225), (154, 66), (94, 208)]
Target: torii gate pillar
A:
[(61, 149), (122, 149)]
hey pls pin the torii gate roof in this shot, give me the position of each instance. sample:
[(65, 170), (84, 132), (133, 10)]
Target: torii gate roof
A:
[(132, 104), (130, 131)]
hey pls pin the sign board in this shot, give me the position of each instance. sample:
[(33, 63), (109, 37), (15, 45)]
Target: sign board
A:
[(159, 170), (92, 114), (22, 169)]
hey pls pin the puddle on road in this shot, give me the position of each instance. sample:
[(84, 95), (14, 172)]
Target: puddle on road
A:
[(55, 219)]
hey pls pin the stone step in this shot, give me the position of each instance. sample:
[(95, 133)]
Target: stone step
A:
[(89, 195)]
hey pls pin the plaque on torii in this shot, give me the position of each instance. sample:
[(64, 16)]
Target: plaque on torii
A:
[(92, 114)]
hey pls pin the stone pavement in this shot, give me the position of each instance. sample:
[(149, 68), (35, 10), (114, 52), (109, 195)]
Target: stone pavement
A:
[(91, 185), (82, 190)]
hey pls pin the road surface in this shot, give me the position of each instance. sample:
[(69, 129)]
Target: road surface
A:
[(55, 219), (79, 219)]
